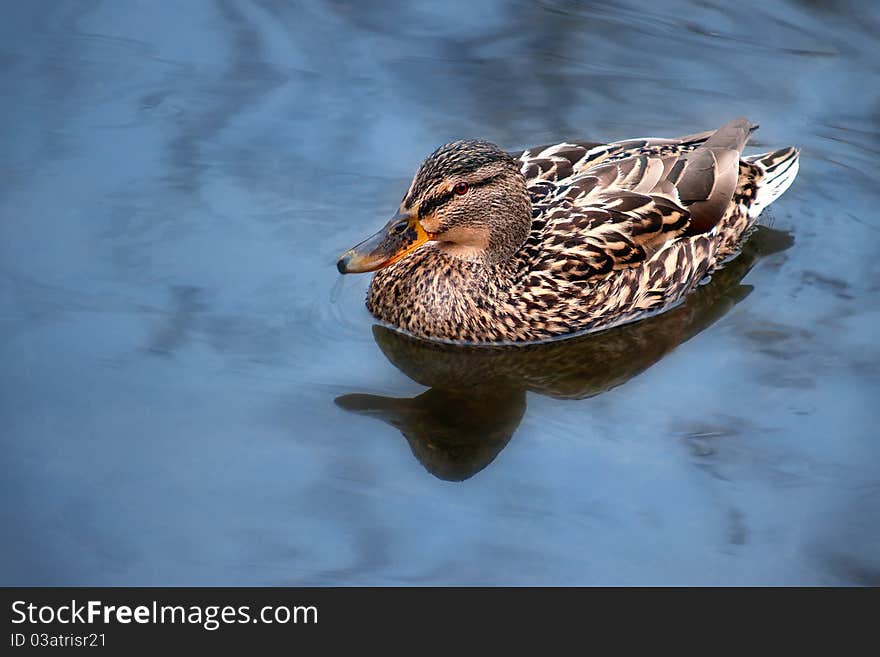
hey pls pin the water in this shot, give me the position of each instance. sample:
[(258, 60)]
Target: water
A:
[(190, 393)]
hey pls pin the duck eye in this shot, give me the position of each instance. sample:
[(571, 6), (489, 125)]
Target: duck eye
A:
[(460, 188), (399, 227)]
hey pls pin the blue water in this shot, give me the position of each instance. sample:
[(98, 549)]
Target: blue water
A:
[(191, 394)]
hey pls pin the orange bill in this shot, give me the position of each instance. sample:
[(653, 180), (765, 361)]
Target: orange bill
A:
[(398, 237)]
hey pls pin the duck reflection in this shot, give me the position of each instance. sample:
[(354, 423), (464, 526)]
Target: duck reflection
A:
[(477, 395)]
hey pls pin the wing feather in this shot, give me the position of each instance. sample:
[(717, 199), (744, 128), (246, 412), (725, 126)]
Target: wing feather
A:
[(605, 207)]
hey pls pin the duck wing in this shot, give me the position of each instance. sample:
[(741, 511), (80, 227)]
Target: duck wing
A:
[(624, 201)]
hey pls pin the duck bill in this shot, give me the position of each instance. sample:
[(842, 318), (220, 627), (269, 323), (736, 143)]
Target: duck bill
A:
[(398, 237)]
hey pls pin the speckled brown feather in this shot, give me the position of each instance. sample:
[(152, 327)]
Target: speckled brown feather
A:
[(618, 231)]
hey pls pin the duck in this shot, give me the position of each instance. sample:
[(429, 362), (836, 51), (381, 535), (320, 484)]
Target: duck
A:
[(491, 247)]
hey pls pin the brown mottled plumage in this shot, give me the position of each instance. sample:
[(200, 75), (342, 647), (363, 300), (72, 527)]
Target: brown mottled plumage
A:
[(492, 247)]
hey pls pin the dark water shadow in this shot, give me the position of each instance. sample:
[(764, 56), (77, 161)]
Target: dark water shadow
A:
[(477, 395)]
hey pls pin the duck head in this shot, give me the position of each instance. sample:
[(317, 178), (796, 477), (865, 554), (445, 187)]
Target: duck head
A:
[(468, 197)]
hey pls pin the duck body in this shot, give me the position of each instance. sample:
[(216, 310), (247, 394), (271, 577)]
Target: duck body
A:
[(609, 233)]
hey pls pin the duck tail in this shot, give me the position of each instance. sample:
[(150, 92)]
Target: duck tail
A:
[(777, 171)]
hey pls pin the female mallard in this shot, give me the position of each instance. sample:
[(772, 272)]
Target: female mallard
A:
[(491, 247)]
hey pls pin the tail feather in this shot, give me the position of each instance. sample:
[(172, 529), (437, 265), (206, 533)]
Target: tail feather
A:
[(778, 171)]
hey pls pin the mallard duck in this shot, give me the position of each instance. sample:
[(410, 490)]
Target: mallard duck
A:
[(495, 247)]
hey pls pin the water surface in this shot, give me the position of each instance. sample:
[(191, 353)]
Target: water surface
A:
[(190, 394)]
